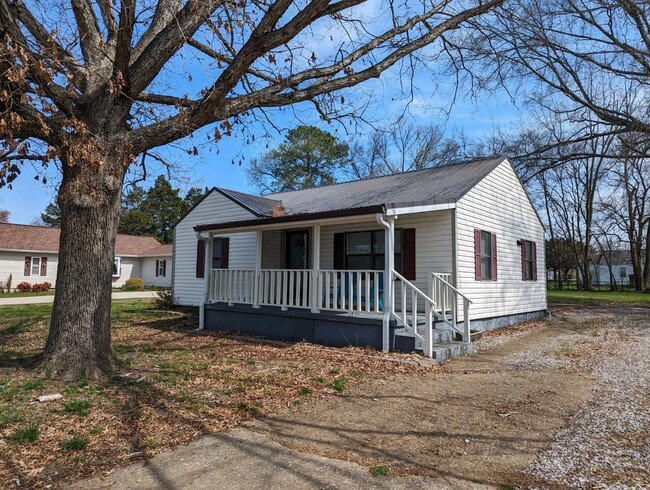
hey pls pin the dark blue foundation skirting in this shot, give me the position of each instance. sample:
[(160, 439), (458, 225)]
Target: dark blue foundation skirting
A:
[(323, 328)]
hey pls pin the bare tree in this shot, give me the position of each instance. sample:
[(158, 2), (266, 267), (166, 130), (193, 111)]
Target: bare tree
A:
[(590, 59), (629, 208), (94, 85), (402, 147), (4, 216)]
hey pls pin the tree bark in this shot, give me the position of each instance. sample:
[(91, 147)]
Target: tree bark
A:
[(79, 341)]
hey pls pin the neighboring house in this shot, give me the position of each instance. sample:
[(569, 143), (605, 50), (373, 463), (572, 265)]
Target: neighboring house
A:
[(391, 262), (621, 268), (30, 254)]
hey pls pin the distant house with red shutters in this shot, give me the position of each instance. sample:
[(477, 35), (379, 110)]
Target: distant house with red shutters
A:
[(30, 254), (416, 260)]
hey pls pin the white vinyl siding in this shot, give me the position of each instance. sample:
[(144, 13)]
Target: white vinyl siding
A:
[(149, 272), (499, 205), (215, 208), (272, 250), (14, 263), (130, 268)]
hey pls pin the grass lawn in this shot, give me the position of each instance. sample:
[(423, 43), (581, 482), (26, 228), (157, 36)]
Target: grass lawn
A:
[(25, 295), (172, 385), (598, 298)]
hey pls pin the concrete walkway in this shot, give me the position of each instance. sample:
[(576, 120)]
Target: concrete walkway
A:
[(32, 300), (242, 458)]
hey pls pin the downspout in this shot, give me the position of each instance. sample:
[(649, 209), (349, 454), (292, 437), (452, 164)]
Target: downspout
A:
[(206, 278), (388, 280)]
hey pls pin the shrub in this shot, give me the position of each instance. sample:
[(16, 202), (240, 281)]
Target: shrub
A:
[(41, 287), (134, 284), (164, 299), (24, 287)]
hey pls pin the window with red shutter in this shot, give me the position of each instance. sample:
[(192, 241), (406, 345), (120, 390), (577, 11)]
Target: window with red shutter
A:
[(485, 256), (43, 266), (200, 258), (28, 266)]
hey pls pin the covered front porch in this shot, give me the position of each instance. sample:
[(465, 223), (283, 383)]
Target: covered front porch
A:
[(351, 281)]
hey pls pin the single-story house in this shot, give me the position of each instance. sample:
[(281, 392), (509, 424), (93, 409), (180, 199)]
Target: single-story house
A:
[(621, 269), (407, 261), (30, 254)]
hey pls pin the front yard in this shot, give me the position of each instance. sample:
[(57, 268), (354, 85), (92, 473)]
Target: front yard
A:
[(598, 298), (173, 385)]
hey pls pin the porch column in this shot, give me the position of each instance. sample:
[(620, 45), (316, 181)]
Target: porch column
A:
[(208, 268), (258, 267), (315, 271), (389, 237)]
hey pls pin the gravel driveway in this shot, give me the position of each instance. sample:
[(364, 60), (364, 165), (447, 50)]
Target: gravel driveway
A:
[(557, 404)]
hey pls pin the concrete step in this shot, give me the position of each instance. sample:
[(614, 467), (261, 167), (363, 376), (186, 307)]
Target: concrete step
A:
[(438, 335), (450, 350)]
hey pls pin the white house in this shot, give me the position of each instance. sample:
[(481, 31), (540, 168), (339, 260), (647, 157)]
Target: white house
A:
[(30, 254), (403, 261), (621, 269)]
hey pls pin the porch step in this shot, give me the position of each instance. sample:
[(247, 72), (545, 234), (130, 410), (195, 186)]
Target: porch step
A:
[(444, 347), (450, 350)]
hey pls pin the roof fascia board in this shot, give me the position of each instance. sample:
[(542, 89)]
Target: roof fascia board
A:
[(292, 224), (396, 210)]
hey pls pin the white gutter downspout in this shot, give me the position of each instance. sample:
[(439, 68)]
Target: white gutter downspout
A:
[(388, 279), (206, 284)]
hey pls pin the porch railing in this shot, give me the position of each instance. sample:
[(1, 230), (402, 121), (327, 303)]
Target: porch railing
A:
[(446, 299), (358, 291)]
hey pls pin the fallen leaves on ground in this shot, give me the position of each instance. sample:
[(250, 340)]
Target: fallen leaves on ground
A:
[(173, 386)]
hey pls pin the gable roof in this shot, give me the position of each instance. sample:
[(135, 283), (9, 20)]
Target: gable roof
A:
[(617, 257), (27, 238), (437, 185)]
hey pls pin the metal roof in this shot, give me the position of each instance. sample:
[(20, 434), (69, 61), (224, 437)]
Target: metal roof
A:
[(437, 185)]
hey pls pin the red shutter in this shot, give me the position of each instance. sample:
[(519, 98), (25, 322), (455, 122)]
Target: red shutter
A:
[(494, 256), (408, 253), (157, 263), (534, 261), (225, 252), (339, 251), (200, 258), (164, 268), (43, 266), (523, 260), (28, 266), (477, 255)]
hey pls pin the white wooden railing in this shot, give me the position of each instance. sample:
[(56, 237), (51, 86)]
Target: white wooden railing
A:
[(412, 302), (286, 288), (358, 291), (446, 299)]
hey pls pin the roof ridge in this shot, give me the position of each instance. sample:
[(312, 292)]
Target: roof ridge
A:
[(407, 172)]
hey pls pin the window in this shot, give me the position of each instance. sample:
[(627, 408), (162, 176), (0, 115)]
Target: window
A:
[(117, 267), (216, 253), (36, 266), (528, 260), (365, 250), (161, 268), (485, 256), (623, 272)]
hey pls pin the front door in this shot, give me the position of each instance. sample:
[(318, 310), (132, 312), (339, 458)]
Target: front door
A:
[(297, 249)]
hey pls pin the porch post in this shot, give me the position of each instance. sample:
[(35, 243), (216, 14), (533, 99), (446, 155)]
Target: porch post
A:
[(315, 271), (208, 268), (389, 265), (258, 267)]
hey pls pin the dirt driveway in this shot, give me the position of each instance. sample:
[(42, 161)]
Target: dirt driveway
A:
[(556, 404), (496, 417)]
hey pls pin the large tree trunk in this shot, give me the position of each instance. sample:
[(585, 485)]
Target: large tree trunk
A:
[(79, 341)]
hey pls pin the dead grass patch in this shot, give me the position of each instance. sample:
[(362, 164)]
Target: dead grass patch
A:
[(173, 385)]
